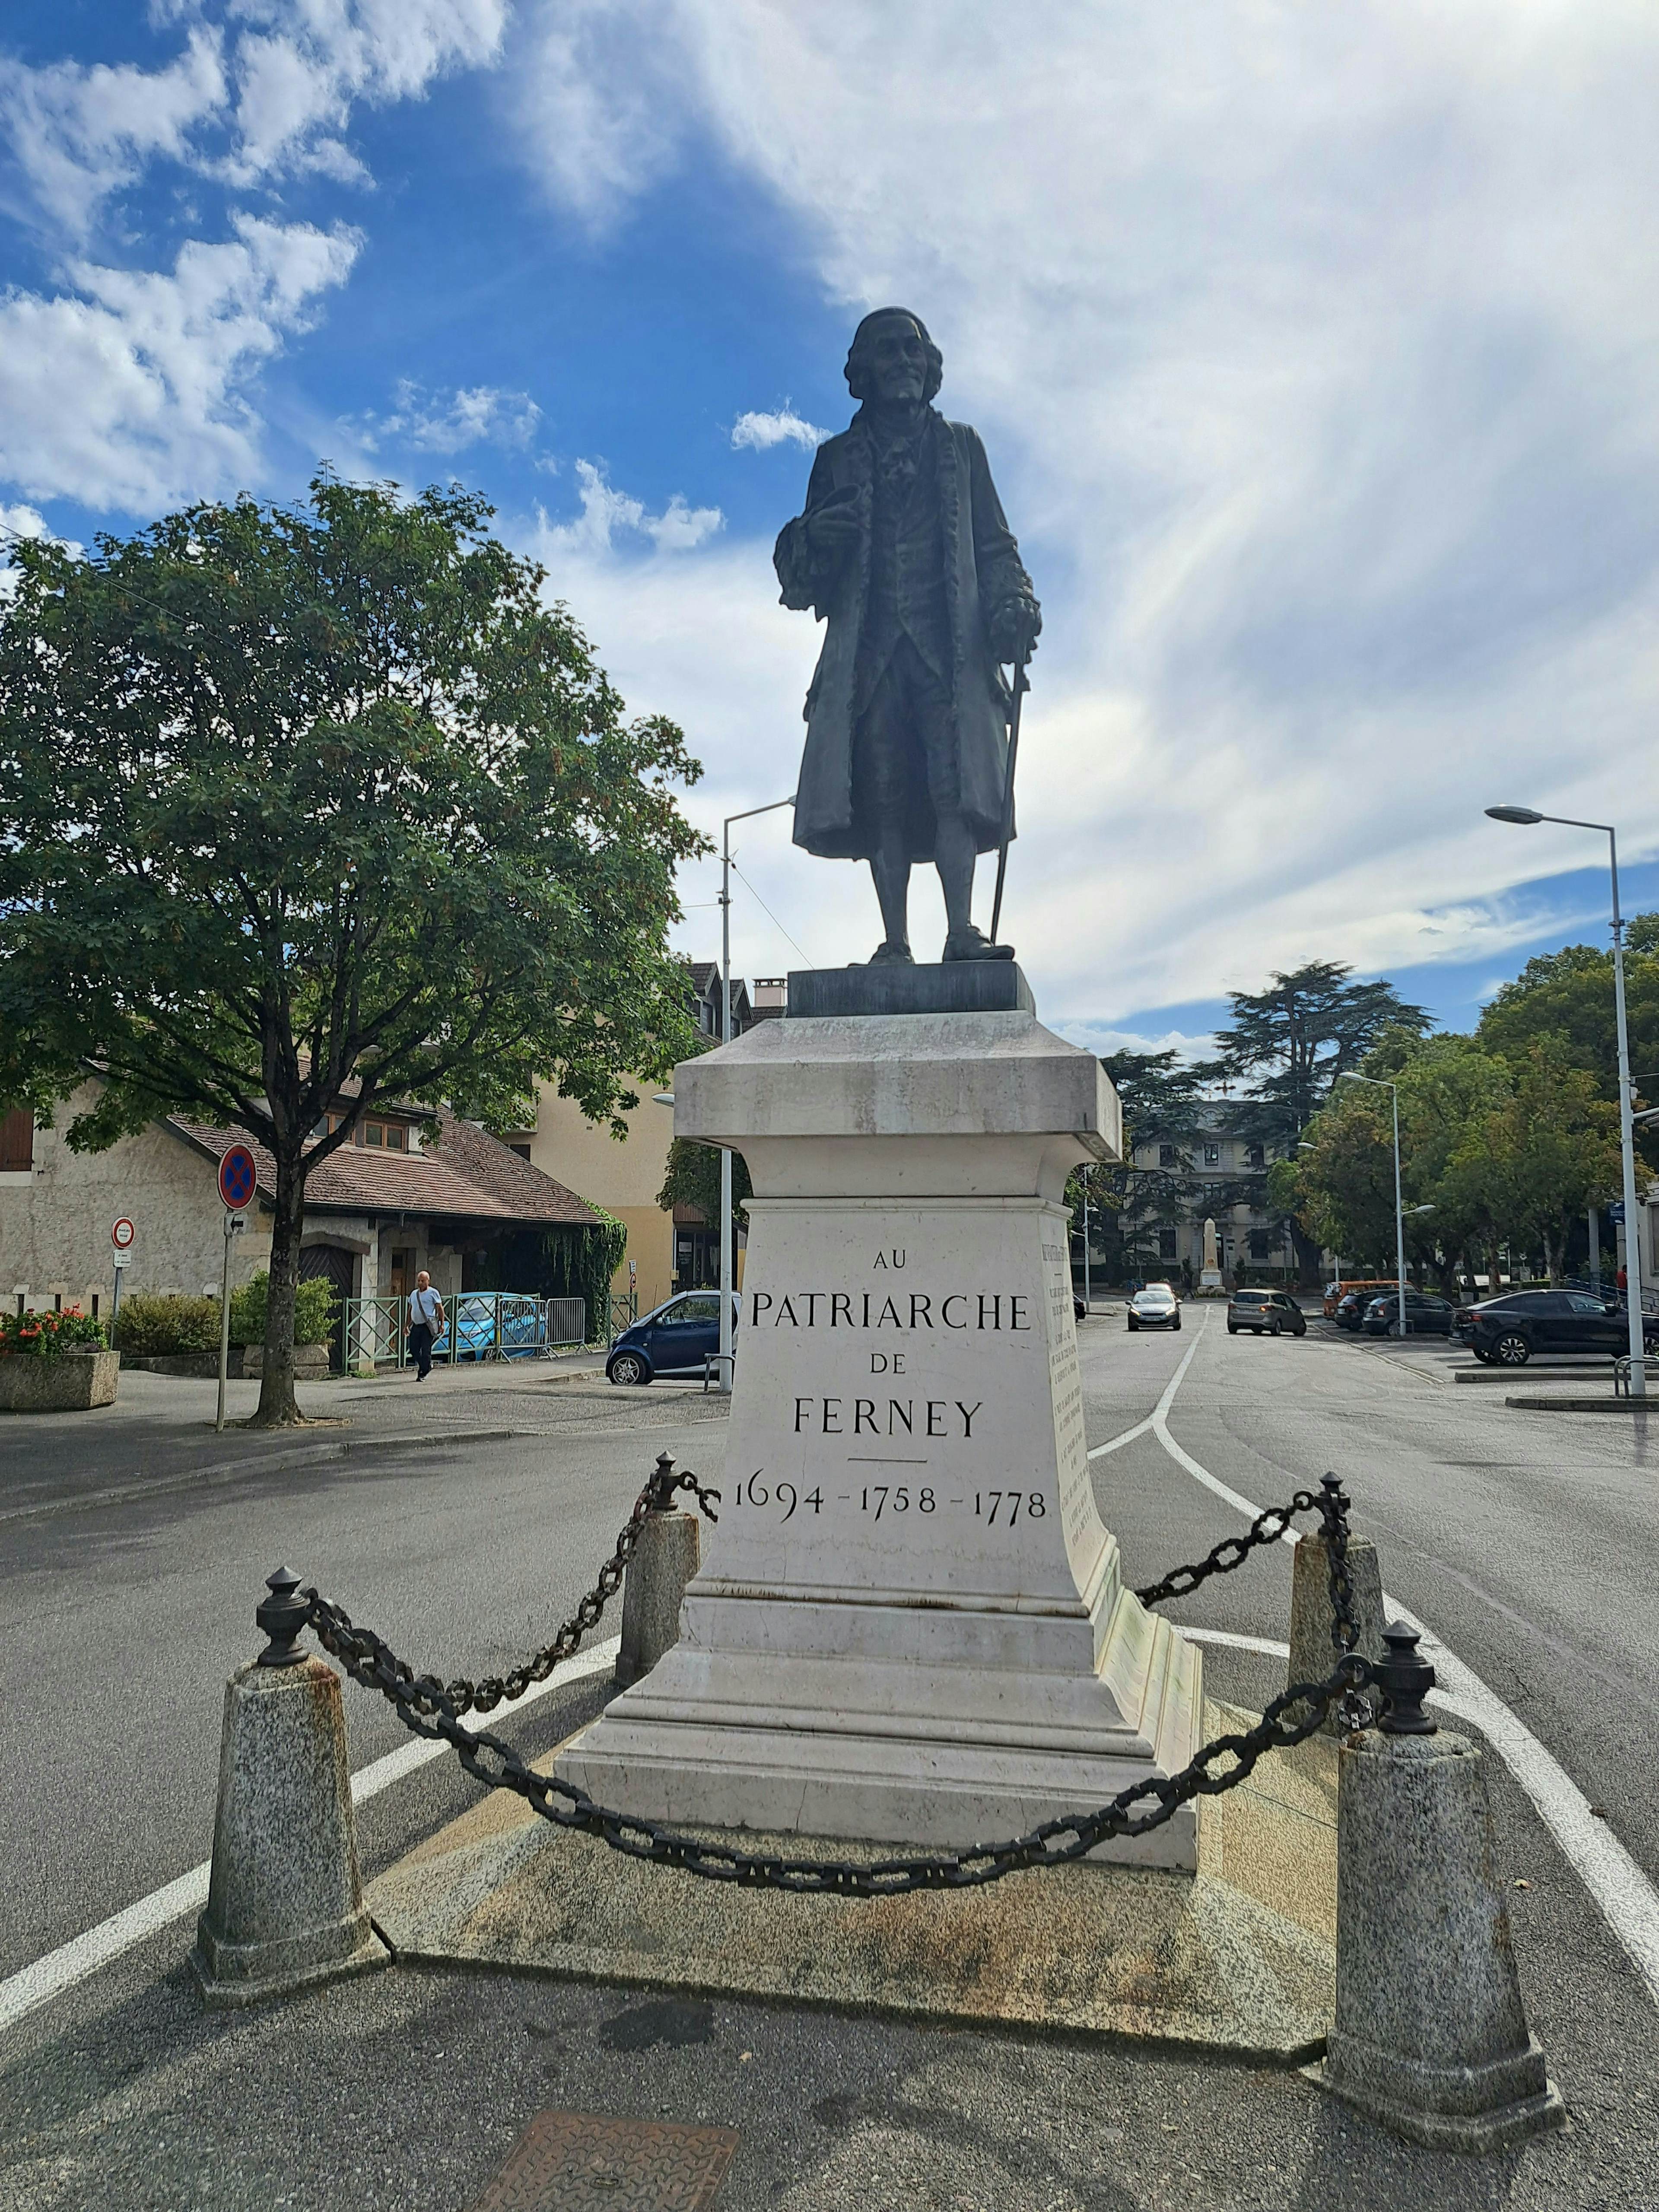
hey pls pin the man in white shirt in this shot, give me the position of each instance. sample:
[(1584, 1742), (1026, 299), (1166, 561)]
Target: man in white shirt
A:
[(426, 1324)]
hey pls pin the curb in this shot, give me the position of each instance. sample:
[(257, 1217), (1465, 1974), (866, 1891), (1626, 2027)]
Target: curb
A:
[(1559, 1404)]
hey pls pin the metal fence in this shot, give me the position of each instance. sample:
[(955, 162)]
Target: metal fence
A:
[(478, 1326)]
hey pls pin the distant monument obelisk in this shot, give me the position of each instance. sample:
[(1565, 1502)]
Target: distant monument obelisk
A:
[(1210, 1279)]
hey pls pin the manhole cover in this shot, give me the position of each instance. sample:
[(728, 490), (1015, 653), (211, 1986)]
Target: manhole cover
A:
[(584, 2162)]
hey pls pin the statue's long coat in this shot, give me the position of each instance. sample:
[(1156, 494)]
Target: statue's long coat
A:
[(982, 572)]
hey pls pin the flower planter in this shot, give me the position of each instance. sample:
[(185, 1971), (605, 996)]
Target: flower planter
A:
[(67, 1384)]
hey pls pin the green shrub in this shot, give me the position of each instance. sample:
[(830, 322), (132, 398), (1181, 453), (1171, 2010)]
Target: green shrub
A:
[(152, 1322), (314, 1307)]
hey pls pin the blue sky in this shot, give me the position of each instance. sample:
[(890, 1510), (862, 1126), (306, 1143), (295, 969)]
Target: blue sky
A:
[(1314, 350)]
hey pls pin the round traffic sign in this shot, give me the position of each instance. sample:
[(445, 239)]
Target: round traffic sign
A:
[(122, 1234), (236, 1177)]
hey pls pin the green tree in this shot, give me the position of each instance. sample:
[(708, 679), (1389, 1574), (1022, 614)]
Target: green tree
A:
[(1159, 1096), (1550, 1150), (1568, 996), (296, 798), (1285, 1047), (694, 1179), (1339, 1195), (1341, 1189)]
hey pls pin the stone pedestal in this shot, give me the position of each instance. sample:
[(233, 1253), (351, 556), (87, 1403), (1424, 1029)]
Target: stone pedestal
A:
[(910, 1625)]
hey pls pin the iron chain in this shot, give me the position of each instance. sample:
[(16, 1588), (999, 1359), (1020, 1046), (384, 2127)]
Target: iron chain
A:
[(428, 1708), (426, 1694)]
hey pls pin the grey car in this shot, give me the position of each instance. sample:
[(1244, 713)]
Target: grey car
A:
[(1274, 1313)]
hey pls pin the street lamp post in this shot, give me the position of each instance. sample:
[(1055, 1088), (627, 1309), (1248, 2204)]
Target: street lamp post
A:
[(1527, 817), (727, 1264), (1381, 1084)]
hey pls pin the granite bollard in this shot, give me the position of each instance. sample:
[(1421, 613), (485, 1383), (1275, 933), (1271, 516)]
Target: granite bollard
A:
[(1313, 1654), (1431, 2038), (665, 1559), (285, 1898)]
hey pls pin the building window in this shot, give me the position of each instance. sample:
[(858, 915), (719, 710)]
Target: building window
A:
[(1255, 1156), (385, 1136), (1259, 1245), (1166, 1156), (17, 1141), (1166, 1243), (1212, 1156), (522, 1149)]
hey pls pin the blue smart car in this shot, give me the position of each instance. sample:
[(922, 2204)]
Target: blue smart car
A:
[(675, 1339)]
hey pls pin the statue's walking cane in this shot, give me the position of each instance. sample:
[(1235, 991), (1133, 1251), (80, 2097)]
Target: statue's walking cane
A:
[(1021, 687)]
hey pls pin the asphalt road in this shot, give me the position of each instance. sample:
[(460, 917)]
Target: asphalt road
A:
[(1526, 1542)]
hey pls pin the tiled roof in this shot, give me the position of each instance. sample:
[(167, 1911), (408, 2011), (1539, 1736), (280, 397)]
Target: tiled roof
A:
[(467, 1174)]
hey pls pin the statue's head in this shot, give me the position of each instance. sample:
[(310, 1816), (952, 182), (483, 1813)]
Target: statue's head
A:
[(892, 358)]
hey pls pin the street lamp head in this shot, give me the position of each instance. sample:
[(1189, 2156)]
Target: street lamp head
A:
[(1526, 816), (1307, 1148)]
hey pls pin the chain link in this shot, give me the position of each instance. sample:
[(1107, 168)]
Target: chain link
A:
[(425, 1707), (425, 1693)]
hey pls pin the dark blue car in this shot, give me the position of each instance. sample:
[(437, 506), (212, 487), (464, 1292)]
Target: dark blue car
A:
[(675, 1339)]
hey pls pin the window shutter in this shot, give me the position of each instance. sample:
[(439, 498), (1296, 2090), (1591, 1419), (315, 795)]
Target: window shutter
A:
[(16, 1141)]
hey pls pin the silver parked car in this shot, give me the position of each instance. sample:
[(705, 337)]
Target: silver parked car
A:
[(1156, 1307)]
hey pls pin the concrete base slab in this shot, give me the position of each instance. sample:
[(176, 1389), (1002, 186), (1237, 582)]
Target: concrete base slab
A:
[(1237, 1960)]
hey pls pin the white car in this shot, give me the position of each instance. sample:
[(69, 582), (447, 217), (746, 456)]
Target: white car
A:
[(1156, 1307)]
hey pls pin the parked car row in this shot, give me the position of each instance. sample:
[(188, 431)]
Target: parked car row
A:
[(1506, 1332)]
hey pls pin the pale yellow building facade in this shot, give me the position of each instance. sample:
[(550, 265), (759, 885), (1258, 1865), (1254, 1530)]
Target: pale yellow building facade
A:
[(622, 1175)]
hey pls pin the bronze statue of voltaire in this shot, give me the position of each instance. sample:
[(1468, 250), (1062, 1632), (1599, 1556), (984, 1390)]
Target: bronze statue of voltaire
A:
[(903, 548)]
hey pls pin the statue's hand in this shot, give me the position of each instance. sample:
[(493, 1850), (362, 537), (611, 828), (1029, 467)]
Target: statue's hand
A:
[(832, 530), (1014, 627)]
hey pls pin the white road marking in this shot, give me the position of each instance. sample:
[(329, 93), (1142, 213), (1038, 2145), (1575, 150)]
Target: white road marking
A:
[(1626, 1898), (1161, 1409), (1273, 1650), (73, 1962)]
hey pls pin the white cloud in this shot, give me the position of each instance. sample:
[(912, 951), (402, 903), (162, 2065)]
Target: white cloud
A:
[(299, 68), (126, 387), (593, 90), (1313, 352), (126, 390), (80, 133), (445, 424), (21, 521), (608, 515), (759, 433), (266, 94)]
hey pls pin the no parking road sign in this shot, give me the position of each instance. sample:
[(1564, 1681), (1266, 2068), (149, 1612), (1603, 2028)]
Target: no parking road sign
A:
[(237, 1175)]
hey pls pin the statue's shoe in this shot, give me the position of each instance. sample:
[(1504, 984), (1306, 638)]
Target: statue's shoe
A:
[(892, 953), (972, 944)]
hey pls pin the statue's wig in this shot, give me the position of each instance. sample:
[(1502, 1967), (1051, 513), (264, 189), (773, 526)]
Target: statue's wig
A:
[(857, 353)]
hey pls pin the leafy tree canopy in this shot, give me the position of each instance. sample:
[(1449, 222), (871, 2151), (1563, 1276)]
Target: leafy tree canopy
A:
[(298, 798), (1288, 1044), (1567, 996)]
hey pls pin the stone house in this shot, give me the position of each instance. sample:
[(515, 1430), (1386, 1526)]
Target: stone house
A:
[(462, 1207)]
